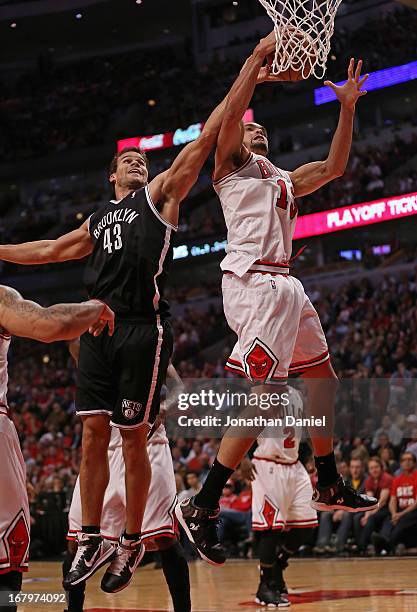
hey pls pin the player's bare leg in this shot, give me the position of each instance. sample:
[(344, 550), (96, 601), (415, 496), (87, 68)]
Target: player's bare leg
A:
[(331, 492), (137, 476), (130, 549), (322, 385), (92, 552), (94, 469)]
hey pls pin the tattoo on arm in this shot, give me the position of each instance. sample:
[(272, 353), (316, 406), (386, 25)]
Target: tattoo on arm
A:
[(12, 301)]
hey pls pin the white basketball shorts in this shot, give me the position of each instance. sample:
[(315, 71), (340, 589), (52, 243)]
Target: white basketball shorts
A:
[(158, 520), (281, 496), (14, 506), (277, 327)]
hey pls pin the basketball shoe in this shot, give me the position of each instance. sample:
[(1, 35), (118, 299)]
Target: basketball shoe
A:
[(92, 553), (268, 595), (280, 566), (200, 525), (120, 572), (341, 496)]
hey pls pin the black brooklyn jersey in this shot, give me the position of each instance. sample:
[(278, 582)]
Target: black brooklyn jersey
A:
[(132, 253)]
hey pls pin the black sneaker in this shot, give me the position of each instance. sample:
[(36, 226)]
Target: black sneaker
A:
[(92, 553), (283, 592), (127, 557), (341, 496), (200, 525), (280, 566), (268, 595)]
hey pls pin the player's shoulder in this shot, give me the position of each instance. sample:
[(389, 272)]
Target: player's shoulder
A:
[(8, 295)]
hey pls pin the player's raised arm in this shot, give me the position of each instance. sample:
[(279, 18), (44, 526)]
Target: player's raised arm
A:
[(312, 176), (60, 322), (231, 152), (74, 245), (172, 186)]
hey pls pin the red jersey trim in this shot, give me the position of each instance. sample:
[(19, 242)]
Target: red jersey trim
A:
[(311, 364), (274, 460), (234, 171), (263, 262), (301, 363)]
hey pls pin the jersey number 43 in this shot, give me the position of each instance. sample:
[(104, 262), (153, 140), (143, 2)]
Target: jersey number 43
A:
[(113, 238)]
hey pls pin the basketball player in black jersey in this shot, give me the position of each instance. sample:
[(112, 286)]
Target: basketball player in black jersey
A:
[(119, 379)]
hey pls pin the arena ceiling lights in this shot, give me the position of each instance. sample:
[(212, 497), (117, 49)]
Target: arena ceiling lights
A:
[(16, 9)]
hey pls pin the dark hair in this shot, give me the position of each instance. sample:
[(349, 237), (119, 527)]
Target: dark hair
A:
[(414, 458), (377, 460), (113, 163)]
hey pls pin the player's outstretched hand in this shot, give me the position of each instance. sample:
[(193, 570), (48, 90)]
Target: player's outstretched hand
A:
[(268, 44), (106, 318), (265, 75), (349, 93)]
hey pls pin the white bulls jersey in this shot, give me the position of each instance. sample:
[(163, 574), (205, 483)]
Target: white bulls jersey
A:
[(158, 519), (282, 490), (14, 506), (260, 213), (158, 437), (282, 444)]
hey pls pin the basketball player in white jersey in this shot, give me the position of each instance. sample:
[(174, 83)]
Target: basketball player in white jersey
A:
[(129, 241), (281, 508), (278, 329), (20, 317), (159, 528)]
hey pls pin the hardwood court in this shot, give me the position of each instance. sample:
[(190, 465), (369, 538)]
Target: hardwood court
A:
[(359, 585)]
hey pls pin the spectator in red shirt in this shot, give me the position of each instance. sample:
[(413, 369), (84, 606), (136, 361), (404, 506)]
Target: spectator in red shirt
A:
[(228, 497), (401, 528), (243, 501), (378, 484)]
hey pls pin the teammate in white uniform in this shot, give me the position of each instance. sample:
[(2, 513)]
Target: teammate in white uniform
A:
[(278, 330), (159, 530), (24, 318), (281, 508)]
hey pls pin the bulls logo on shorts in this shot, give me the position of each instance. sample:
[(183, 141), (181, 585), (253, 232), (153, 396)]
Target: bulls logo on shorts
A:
[(130, 409), (260, 362), (16, 542)]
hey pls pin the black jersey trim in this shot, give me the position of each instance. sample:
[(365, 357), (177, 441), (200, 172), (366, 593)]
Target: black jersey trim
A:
[(155, 211)]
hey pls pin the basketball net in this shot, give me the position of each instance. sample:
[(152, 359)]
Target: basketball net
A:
[(303, 29)]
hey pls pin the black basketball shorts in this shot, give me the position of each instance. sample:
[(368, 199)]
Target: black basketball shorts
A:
[(122, 375)]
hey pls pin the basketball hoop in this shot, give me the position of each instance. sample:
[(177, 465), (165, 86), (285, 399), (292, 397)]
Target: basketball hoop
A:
[(303, 29)]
